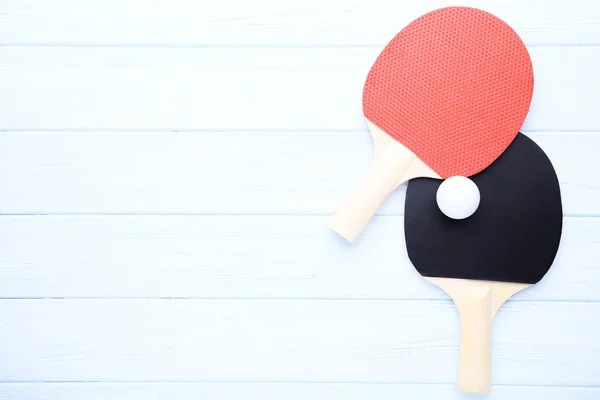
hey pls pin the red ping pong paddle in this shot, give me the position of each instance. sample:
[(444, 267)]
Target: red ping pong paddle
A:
[(507, 245), (445, 97)]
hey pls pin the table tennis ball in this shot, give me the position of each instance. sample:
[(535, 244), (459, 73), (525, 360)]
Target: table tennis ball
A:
[(458, 197)]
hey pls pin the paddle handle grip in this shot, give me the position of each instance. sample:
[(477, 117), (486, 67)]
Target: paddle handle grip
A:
[(475, 360), (385, 174)]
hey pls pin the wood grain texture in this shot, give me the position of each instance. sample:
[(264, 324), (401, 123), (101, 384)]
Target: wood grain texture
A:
[(245, 257), (477, 303), (277, 391), (392, 164), (226, 173), (65, 88), (273, 23), (253, 296), (534, 343)]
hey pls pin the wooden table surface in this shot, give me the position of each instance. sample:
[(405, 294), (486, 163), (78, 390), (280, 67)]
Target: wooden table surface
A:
[(167, 170)]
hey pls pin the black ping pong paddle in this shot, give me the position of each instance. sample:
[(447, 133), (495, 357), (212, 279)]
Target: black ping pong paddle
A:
[(507, 245)]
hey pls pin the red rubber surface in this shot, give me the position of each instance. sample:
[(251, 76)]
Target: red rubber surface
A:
[(454, 87)]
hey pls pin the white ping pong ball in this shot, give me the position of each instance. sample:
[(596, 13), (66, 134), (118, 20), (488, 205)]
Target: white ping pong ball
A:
[(458, 197)]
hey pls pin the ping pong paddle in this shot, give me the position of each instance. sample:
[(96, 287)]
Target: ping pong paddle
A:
[(507, 245), (445, 97)]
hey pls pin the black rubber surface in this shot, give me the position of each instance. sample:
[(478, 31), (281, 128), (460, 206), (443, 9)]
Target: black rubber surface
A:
[(512, 237)]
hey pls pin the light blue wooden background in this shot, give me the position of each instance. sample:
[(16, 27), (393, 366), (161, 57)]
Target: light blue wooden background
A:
[(167, 169)]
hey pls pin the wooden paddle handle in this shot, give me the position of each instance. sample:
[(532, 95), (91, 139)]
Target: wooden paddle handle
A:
[(385, 174), (477, 303), (475, 361)]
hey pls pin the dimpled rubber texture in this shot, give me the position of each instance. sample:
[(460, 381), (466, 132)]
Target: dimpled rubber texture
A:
[(454, 87)]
